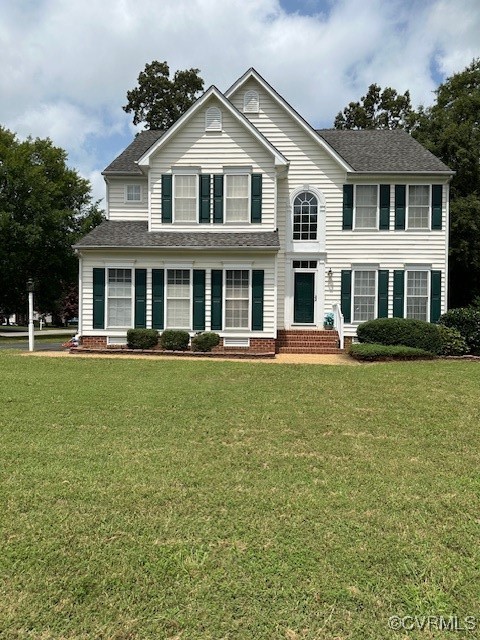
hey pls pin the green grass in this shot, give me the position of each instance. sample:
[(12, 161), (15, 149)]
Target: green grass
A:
[(181, 499)]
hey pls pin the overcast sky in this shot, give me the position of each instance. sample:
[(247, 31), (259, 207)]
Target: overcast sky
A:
[(66, 65)]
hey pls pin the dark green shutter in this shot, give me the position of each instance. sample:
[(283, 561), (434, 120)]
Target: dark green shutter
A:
[(199, 299), (398, 294), (437, 191), (166, 198), (257, 299), (400, 191), (140, 298), (99, 298), (384, 207), (347, 207), (435, 296), (383, 294), (217, 281), (218, 199), (205, 199), (256, 196), (346, 295), (158, 286)]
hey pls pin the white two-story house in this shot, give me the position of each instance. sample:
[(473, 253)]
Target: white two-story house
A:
[(244, 220)]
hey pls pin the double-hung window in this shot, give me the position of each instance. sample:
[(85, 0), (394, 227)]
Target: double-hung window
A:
[(178, 299), (119, 298), (418, 206), (364, 295), (133, 193), (237, 198), (417, 295), (237, 299), (366, 206), (185, 197)]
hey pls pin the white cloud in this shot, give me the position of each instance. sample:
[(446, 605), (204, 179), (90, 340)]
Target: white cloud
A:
[(66, 66)]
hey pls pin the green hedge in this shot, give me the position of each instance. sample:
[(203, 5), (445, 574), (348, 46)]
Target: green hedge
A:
[(402, 331), (205, 341), (142, 338), (369, 352), (453, 343), (467, 321), (174, 340)]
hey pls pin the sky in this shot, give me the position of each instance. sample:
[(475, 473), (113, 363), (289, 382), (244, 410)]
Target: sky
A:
[(66, 65)]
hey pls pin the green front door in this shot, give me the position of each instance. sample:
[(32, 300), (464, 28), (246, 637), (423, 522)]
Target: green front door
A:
[(304, 298)]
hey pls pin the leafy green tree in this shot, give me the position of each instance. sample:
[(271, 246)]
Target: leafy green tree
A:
[(378, 109), (159, 101), (44, 208)]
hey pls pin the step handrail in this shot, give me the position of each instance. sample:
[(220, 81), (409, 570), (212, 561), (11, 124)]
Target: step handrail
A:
[(338, 323)]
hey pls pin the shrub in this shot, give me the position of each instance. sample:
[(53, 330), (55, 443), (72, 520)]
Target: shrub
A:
[(453, 343), (205, 341), (402, 331), (142, 338), (370, 352), (467, 321), (174, 340)]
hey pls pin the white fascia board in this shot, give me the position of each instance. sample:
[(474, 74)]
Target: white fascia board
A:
[(251, 73), (280, 159)]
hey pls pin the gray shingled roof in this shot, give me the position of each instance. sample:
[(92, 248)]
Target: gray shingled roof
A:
[(379, 151), (126, 161), (135, 234)]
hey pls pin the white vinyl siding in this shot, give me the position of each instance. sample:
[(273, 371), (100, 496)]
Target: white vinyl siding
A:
[(418, 216), (417, 295), (364, 295), (119, 298), (119, 207), (237, 299), (237, 198), (185, 205), (366, 206), (178, 298)]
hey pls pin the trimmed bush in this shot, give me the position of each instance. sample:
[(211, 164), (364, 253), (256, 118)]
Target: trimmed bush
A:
[(142, 338), (453, 343), (205, 341), (369, 352), (402, 331), (174, 340), (467, 321)]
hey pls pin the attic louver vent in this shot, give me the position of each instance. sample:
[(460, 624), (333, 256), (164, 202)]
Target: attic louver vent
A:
[(251, 103), (213, 119)]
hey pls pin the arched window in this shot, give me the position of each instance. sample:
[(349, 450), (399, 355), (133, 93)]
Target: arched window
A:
[(213, 119), (251, 103), (305, 216)]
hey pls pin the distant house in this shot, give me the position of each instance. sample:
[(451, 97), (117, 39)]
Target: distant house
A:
[(242, 219)]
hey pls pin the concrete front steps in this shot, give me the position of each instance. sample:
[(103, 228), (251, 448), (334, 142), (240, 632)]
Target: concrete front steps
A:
[(305, 341)]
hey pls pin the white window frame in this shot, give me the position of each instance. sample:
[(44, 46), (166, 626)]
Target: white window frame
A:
[(296, 240), (226, 176), (422, 269), (215, 124), (190, 319), (362, 269), (133, 200), (407, 206), (107, 296), (250, 95), (224, 296), (175, 175), (377, 216)]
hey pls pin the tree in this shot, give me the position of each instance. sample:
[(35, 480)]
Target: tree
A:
[(159, 101), (378, 109), (44, 208)]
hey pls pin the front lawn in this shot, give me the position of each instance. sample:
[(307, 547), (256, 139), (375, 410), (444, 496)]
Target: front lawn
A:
[(147, 499)]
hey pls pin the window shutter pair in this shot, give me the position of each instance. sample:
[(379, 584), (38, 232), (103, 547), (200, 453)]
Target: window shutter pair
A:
[(204, 198), (99, 298), (400, 206), (346, 294), (384, 223), (435, 294), (158, 299), (258, 286)]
